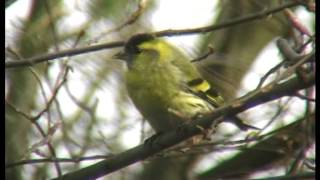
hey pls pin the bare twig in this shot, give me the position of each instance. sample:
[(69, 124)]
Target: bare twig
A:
[(60, 160), (309, 164), (17, 110), (271, 71), (292, 69), (53, 96), (210, 51), (132, 19), (289, 53), (304, 97), (276, 114), (76, 51), (248, 18), (39, 128)]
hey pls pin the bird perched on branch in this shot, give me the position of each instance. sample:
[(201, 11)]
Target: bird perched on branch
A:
[(165, 86)]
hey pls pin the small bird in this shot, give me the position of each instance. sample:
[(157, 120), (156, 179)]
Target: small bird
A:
[(165, 86)]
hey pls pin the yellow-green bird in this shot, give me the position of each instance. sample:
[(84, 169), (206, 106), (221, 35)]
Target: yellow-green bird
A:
[(164, 85)]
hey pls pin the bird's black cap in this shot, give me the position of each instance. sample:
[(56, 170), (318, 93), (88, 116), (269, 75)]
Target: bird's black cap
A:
[(133, 43), (131, 47)]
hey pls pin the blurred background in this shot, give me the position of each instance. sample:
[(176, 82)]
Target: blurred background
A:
[(76, 109)]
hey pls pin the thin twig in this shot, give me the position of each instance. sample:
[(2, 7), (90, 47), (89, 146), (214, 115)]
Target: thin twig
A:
[(132, 19), (210, 51), (276, 114), (271, 71), (53, 96), (60, 160), (76, 51), (304, 97)]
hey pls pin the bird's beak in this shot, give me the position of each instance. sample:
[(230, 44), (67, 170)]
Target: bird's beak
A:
[(120, 55)]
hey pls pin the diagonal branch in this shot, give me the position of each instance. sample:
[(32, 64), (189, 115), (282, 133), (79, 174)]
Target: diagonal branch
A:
[(168, 139)]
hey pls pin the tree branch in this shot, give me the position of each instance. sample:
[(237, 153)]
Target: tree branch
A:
[(168, 139), (71, 52)]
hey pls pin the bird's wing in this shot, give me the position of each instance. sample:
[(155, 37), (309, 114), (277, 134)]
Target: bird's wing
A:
[(203, 89)]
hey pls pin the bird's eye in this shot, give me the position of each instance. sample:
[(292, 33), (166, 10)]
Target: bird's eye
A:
[(133, 49)]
